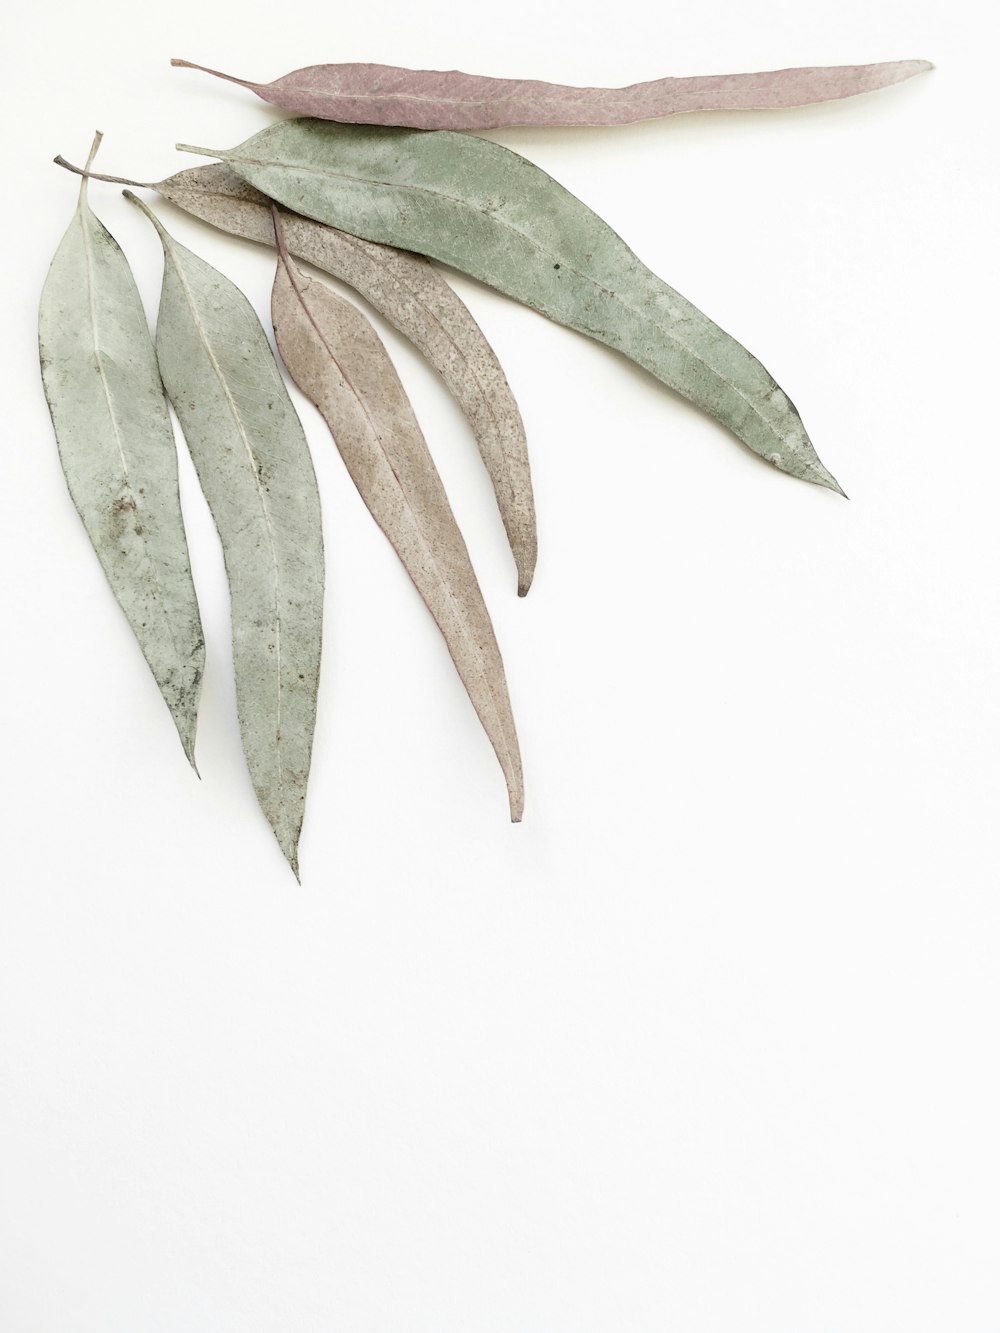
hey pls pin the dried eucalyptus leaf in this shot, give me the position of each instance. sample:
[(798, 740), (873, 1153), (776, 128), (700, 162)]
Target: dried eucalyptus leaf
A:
[(428, 99), (334, 355), (492, 214), (415, 299), (117, 449), (253, 463)]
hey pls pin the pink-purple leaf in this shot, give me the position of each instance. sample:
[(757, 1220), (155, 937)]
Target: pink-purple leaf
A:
[(426, 99)]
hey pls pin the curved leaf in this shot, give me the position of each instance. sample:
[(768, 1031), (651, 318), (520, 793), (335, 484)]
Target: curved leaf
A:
[(427, 99), (253, 463), (117, 449), (491, 213), (337, 359)]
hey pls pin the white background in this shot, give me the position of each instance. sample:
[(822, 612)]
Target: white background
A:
[(710, 1041)]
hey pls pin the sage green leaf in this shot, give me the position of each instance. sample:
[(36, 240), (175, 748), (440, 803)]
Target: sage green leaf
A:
[(253, 463), (415, 299), (492, 214), (117, 449), (334, 355)]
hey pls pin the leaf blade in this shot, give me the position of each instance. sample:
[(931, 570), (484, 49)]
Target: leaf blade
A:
[(494, 215), (413, 296), (254, 467), (450, 100), (334, 355), (117, 449)]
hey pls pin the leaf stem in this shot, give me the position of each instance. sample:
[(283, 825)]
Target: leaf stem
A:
[(140, 203), (201, 152), (230, 78), (87, 174), (98, 136)]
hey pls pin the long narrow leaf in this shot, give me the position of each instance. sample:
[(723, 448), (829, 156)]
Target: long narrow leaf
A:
[(427, 99), (253, 463), (337, 359), (117, 449), (491, 213)]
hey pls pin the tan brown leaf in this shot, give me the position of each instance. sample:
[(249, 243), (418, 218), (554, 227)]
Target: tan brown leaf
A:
[(334, 355)]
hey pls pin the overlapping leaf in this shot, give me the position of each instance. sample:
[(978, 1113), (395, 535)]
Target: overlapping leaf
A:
[(450, 100), (494, 215), (414, 298), (337, 359), (371, 201), (253, 463), (117, 449)]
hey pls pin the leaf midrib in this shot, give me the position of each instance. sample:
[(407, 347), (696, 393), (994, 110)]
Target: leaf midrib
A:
[(427, 545), (109, 402)]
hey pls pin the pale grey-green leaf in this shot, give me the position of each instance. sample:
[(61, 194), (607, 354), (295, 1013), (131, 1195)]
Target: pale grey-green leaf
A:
[(336, 358), (254, 466), (415, 298), (117, 449), (492, 214)]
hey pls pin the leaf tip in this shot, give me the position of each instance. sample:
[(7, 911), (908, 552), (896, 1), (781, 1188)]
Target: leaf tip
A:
[(187, 740), (832, 484), (812, 470), (287, 836), (524, 560)]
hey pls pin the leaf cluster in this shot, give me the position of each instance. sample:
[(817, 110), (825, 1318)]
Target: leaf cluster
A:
[(376, 184)]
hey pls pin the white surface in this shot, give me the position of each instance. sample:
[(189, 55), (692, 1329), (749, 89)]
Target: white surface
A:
[(709, 1042)]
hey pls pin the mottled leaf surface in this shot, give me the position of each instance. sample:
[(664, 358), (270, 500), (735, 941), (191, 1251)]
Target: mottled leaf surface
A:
[(415, 299), (117, 449), (450, 100), (334, 355), (253, 463), (492, 214)]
